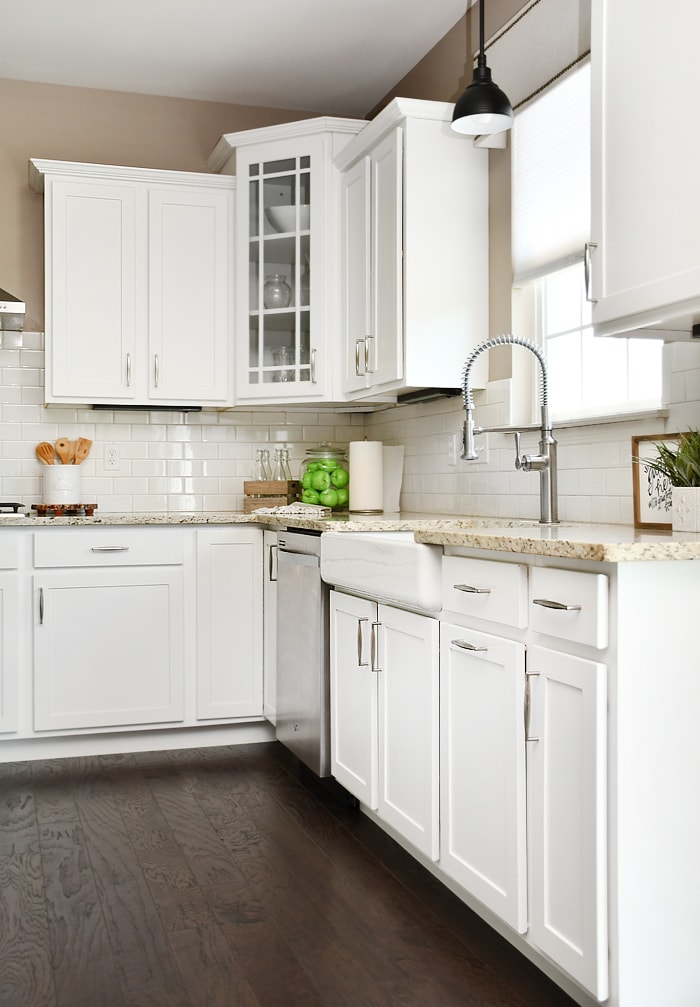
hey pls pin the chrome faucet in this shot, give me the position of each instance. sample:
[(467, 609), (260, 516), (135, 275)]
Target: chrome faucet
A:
[(546, 461)]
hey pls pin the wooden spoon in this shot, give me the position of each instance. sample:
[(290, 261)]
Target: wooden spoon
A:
[(45, 453), (82, 449), (64, 451)]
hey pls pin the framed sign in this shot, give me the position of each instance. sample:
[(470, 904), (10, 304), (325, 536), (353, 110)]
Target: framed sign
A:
[(651, 489)]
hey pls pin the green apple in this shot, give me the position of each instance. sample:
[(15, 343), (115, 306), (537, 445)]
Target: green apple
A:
[(339, 477), (329, 498), (320, 480)]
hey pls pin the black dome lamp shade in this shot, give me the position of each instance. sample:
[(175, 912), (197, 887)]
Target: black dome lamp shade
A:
[(483, 108)]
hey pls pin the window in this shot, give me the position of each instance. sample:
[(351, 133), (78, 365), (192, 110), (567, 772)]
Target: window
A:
[(589, 375)]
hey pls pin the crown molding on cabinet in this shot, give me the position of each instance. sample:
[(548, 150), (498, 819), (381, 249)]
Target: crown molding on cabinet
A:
[(39, 168), (229, 142)]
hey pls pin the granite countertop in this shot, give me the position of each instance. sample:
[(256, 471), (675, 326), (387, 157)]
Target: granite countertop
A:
[(603, 543)]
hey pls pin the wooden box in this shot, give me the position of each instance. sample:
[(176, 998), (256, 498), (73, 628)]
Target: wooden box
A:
[(270, 493)]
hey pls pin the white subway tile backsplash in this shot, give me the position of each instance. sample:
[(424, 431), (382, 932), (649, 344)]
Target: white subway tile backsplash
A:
[(178, 461)]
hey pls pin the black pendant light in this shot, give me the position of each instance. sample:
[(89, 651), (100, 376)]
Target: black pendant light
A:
[(483, 108)]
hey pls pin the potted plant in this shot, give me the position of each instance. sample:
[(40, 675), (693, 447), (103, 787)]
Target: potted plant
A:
[(681, 466)]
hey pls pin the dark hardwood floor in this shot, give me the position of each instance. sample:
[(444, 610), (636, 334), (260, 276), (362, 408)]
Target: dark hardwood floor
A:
[(226, 877)]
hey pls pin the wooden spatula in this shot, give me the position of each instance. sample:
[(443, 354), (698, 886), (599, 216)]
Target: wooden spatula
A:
[(64, 450), (45, 453), (82, 449)]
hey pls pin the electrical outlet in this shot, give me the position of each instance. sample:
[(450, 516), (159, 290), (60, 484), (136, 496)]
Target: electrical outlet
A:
[(112, 460), (452, 449), (482, 449)]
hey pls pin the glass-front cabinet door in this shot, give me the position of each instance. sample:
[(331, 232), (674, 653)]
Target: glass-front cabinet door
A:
[(288, 305), (282, 348)]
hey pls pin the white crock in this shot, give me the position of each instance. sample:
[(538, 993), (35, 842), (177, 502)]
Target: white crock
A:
[(685, 508)]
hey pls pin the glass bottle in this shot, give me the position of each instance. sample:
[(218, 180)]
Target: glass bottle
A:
[(277, 470), (262, 464), (286, 470)]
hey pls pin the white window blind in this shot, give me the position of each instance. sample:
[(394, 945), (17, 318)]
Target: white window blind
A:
[(551, 177)]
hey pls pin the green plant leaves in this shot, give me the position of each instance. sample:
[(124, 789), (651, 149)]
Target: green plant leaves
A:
[(681, 465)]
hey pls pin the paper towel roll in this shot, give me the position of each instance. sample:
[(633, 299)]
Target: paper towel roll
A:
[(366, 464)]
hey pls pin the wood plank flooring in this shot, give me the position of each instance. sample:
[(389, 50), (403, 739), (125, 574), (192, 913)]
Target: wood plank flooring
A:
[(226, 877)]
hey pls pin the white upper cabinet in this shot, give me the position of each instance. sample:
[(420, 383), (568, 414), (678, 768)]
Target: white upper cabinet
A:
[(138, 285), (415, 251), (287, 264), (645, 259)]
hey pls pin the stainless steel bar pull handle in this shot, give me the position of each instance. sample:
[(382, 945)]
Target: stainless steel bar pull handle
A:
[(360, 354), (128, 370), (587, 248), (271, 563), (464, 645), (558, 605), (314, 379), (470, 589), (41, 606), (360, 662), (110, 548), (375, 654), (156, 370), (368, 352), (528, 699)]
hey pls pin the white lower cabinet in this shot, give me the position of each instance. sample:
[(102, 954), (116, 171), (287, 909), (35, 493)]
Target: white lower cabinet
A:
[(10, 614), (229, 623), (482, 769), (384, 714), (567, 817), (270, 625), (108, 647), (135, 627)]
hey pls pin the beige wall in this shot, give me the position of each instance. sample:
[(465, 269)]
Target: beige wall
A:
[(101, 127)]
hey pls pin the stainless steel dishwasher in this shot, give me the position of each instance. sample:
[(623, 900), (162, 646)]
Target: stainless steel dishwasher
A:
[(303, 653)]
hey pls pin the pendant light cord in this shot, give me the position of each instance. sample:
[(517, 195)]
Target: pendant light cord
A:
[(481, 59)]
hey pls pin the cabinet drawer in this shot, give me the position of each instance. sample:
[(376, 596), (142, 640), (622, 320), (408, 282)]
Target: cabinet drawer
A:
[(485, 589), (570, 605), (89, 547), (9, 551)]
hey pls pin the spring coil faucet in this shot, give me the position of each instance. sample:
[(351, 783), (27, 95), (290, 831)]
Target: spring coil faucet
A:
[(546, 461)]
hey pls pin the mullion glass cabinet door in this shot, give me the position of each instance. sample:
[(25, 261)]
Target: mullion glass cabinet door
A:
[(279, 261)]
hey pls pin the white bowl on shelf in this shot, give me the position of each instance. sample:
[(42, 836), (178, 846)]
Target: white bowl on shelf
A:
[(283, 218)]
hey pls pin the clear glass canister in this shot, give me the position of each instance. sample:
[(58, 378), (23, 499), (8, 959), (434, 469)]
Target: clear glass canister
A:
[(325, 478)]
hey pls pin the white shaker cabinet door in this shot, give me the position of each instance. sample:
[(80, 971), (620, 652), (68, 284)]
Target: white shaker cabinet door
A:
[(373, 266), (407, 668), (229, 623), (645, 256), (190, 280), (483, 794), (108, 647), (354, 715), (91, 302), (567, 820), (9, 651), (270, 625), (357, 273)]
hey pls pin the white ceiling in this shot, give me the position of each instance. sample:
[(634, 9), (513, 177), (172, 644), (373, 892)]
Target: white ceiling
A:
[(340, 57)]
